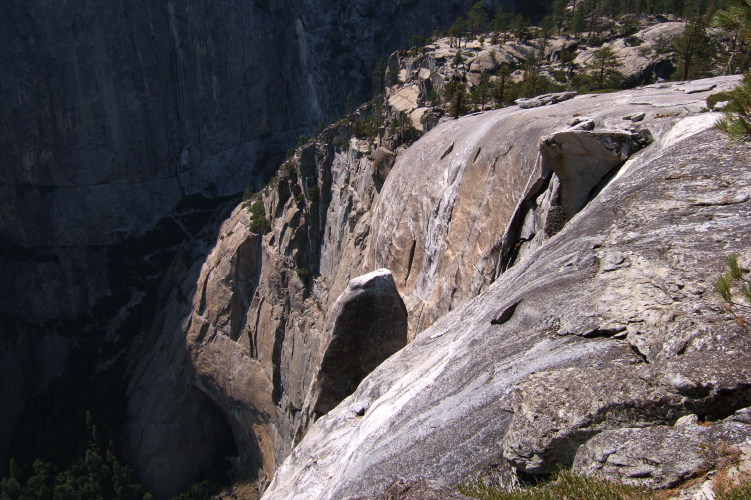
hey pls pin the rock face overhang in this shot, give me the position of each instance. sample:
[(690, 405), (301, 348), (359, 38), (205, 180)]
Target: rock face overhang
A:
[(617, 307)]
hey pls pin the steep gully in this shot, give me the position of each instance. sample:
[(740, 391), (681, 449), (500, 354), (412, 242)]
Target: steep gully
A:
[(243, 333)]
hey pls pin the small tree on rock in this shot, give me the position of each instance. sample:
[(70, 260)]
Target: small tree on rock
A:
[(457, 96), (694, 49), (603, 70)]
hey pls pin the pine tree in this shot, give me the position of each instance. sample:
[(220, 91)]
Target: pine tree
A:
[(737, 120), (481, 92), (457, 96), (502, 85), (478, 18), (546, 29), (502, 22), (458, 58), (578, 22), (694, 49), (458, 30), (559, 15), (531, 84), (520, 28), (732, 22), (602, 69)]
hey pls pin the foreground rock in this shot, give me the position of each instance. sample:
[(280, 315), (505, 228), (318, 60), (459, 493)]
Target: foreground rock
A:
[(663, 456), (616, 309)]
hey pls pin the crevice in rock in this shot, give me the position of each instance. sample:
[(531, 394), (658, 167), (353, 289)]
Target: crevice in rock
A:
[(722, 404), (523, 233), (506, 315), (477, 154), (582, 164), (585, 161), (411, 259), (641, 355), (276, 363), (449, 150), (604, 332)]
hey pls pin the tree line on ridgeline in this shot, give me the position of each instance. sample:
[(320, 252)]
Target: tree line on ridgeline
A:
[(713, 42)]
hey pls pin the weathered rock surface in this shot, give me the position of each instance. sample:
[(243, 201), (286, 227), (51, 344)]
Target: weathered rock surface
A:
[(556, 411), (645, 56), (662, 456), (617, 306), (243, 331)]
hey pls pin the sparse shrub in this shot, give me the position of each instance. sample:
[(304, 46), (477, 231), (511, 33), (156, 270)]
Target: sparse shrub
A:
[(719, 456), (563, 485), (458, 58), (303, 272), (258, 222), (433, 98), (737, 120), (248, 193), (313, 193), (735, 289)]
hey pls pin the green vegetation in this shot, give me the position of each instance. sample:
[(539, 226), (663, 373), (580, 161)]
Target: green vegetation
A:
[(695, 49), (737, 120), (478, 18), (602, 70), (568, 485), (303, 273), (735, 289), (93, 473), (456, 94), (563, 485), (258, 222), (313, 193)]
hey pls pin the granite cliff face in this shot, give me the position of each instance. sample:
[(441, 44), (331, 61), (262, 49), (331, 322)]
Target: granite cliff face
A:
[(608, 325), (125, 125), (490, 205)]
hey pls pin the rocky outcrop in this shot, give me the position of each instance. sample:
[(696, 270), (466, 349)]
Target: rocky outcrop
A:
[(243, 333), (663, 456), (556, 411), (368, 324), (617, 306), (646, 56)]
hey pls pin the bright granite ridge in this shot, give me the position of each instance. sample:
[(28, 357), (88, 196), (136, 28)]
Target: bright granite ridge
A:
[(622, 294)]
